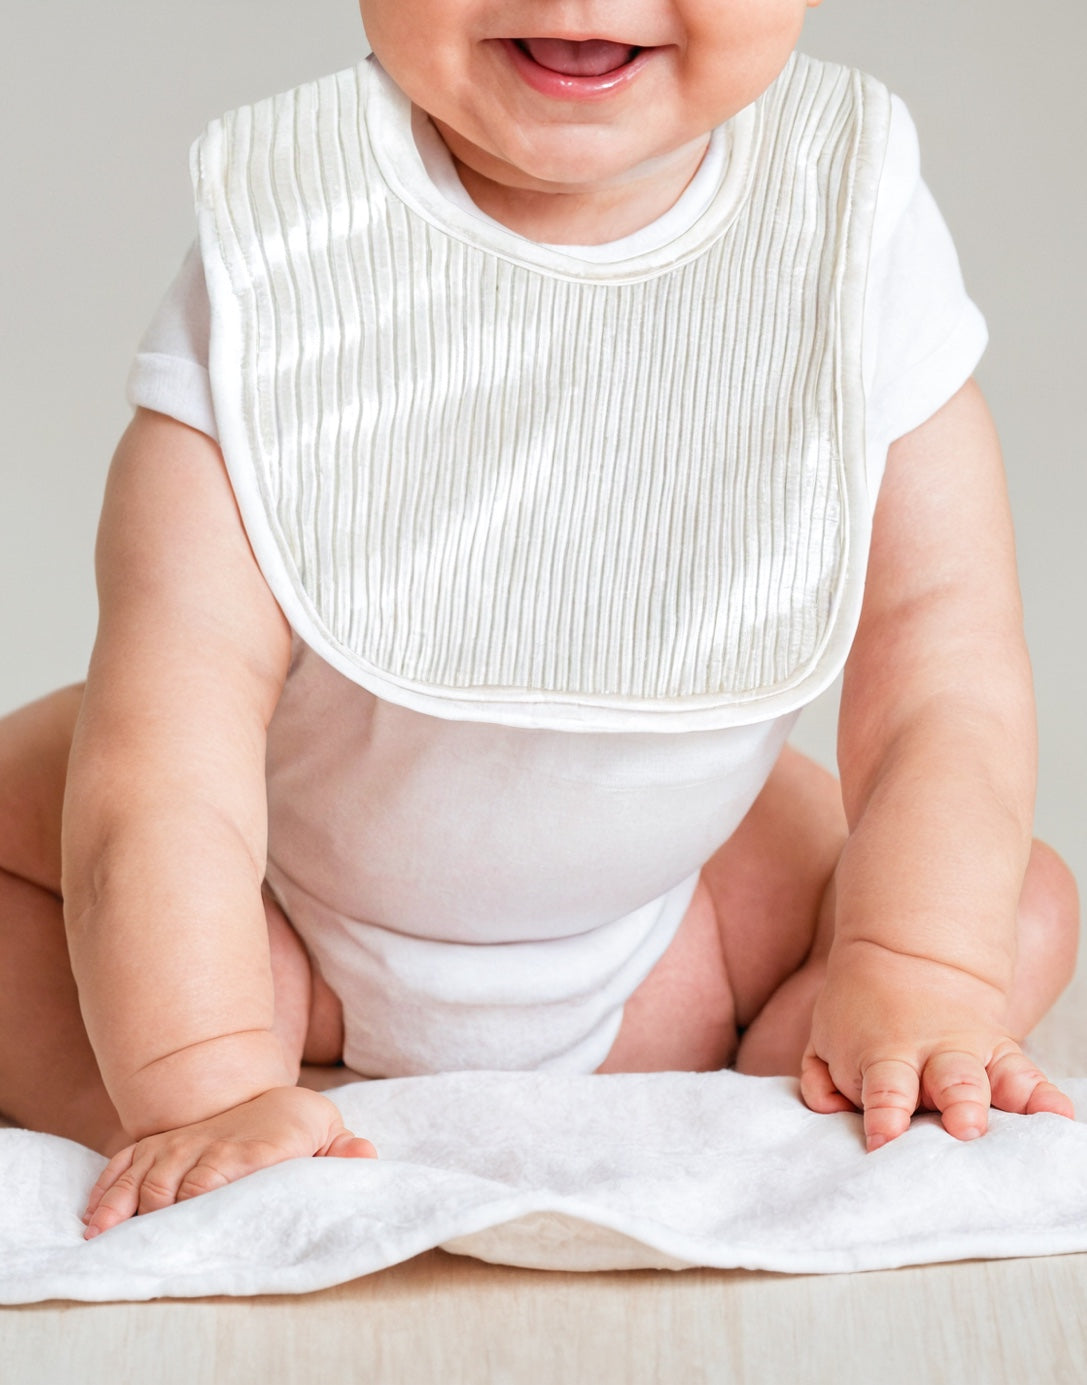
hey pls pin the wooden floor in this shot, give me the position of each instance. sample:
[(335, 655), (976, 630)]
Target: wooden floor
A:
[(460, 1322)]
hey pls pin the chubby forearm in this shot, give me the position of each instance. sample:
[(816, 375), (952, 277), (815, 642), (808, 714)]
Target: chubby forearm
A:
[(167, 935), (940, 838)]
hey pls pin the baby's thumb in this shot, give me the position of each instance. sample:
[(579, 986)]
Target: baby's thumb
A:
[(348, 1146)]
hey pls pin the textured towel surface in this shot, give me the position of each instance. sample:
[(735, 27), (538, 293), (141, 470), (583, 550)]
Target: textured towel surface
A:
[(665, 1170)]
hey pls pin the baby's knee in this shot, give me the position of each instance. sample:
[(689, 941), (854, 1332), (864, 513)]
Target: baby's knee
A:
[(35, 742), (1049, 914)]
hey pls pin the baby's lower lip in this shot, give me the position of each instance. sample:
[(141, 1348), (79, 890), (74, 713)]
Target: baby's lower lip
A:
[(570, 87)]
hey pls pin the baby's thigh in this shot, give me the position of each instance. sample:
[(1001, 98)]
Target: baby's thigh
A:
[(308, 1015), (682, 1017), (35, 743), (770, 881)]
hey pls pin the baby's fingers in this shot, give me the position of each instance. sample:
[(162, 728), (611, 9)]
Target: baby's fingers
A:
[(117, 1166), (817, 1086), (1019, 1086), (957, 1086), (348, 1146), (889, 1093), (137, 1184), (162, 1174)]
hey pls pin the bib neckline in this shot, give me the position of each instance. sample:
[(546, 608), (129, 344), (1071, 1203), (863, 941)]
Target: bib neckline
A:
[(388, 118)]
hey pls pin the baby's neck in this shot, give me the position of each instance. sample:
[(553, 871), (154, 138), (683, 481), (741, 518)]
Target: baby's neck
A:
[(593, 216)]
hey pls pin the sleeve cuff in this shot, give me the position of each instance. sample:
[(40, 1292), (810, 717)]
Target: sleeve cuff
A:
[(174, 386), (933, 380)]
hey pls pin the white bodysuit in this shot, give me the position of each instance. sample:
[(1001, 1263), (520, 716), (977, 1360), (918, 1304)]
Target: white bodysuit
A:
[(486, 822)]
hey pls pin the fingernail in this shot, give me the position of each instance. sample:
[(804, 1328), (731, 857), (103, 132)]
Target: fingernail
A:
[(92, 1232), (876, 1142), (971, 1132)]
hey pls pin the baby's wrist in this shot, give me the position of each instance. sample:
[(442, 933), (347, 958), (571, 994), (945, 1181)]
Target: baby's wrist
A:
[(984, 964), (199, 1081)]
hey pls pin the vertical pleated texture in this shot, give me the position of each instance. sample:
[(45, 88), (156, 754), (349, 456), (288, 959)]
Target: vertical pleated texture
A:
[(481, 474)]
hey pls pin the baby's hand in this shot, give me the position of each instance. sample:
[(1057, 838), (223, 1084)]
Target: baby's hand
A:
[(283, 1123), (892, 1033)]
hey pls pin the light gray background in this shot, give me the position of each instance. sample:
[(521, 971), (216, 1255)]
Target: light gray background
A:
[(102, 101)]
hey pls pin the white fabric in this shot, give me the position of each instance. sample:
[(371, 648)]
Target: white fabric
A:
[(419, 1004), (457, 505), (923, 336), (442, 872), (568, 1173)]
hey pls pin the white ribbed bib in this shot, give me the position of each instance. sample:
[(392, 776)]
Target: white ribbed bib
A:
[(487, 479)]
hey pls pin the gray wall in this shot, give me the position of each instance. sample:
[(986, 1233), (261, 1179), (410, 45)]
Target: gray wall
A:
[(103, 100)]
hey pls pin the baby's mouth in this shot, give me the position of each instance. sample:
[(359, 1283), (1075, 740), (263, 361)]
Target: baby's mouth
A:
[(594, 57)]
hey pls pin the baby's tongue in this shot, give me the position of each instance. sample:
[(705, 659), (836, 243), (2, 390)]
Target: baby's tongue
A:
[(578, 57)]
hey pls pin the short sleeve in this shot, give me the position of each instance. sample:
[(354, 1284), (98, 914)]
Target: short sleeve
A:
[(170, 371), (923, 334)]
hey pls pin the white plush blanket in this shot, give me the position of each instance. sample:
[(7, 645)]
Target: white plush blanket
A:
[(665, 1170)]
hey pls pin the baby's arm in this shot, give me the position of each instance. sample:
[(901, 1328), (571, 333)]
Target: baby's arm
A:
[(165, 830), (937, 758)]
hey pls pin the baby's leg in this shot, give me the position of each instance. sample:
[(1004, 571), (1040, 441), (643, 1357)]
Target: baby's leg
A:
[(754, 943), (309, 1016), (49, 1078)]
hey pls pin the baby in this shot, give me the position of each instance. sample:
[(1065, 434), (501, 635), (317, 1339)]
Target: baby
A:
[(503, 481)]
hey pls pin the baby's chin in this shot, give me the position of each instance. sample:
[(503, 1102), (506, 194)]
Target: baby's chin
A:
[(575, 195), (564, 161)]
